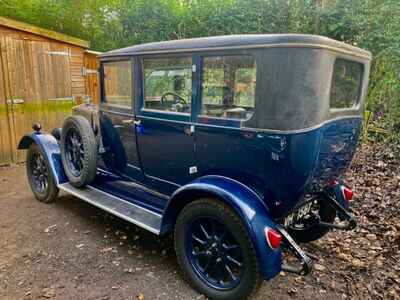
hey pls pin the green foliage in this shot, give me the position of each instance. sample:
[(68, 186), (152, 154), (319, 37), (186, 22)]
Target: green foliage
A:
[(370, 24)]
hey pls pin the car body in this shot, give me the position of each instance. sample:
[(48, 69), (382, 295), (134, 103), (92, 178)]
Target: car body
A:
[(264, 123)]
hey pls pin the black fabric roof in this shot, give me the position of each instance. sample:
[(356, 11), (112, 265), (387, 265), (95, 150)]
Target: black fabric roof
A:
[(236, 41)]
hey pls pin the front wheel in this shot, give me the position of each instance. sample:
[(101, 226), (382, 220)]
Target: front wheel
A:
[(39, 175), (215, 251)]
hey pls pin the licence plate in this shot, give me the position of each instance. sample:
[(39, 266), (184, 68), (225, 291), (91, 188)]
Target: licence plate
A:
[(298, 214)]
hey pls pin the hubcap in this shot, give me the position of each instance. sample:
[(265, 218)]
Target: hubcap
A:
[(74, 151), (39, 173), (214, 253)]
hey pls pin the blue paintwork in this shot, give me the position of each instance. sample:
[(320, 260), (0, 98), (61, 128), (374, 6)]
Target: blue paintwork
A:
[(280, 167), (119, 137), (51, 149), (166, 149)]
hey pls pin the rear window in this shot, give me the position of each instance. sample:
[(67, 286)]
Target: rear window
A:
[(346, 83)]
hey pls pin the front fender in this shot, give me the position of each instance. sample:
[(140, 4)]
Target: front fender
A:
[(51, 150), (247, 204)]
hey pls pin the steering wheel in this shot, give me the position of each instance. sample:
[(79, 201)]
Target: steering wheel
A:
[(181, 99)]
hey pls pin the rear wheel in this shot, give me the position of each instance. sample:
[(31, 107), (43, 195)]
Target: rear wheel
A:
[(40, 178), (308, 229), (78, 151), (215, 252)]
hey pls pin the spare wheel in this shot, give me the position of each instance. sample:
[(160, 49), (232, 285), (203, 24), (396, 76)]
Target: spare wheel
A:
[(78, 151)]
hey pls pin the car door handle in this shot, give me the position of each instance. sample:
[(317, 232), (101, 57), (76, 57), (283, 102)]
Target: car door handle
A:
[(127, 121)]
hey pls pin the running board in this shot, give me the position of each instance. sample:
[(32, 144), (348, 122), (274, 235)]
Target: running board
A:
[(130, 212)]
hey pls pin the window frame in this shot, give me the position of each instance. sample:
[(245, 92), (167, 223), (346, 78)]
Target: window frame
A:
[(160, 114), (103, 106), (357, 102), (220, 121)]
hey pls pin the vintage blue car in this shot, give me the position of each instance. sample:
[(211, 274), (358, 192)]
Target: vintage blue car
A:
[(233, 144)]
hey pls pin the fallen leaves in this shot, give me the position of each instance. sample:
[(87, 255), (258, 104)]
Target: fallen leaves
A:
[(140, 296), (50, 228), (48, 293)]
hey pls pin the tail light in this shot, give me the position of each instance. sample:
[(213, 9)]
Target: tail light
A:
[(273, 238), (347, 193)]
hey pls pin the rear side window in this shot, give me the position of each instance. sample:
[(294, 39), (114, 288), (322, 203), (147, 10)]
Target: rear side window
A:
[(228, 86), (118, 84), (346, 83)]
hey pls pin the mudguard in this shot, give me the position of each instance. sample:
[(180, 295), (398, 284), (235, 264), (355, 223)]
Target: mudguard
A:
[(51, 149), (247, 204)]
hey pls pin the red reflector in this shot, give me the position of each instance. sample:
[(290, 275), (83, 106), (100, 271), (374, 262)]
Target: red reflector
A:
[(348, 193), (273, 238), (333, 183)]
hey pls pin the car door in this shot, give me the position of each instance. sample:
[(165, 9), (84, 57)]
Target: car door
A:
[(164, 122), (117, 119), (226, 99)]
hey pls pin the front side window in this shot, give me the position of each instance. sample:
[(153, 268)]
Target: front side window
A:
[(118, 84), (168, 84), (346, 83), (228, 86)]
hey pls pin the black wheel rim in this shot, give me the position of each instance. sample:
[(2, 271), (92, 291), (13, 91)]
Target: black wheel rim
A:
[(39, 173), (74, 151), (214, 253)]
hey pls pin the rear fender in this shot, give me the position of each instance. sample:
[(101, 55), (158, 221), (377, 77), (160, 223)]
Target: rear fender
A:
[(246, 203), (51, 149)]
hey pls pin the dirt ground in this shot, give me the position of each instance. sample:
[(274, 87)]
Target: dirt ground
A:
[(72, 250)]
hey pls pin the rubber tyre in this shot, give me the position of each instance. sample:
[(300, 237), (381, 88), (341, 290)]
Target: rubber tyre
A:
[(51, 192), (313, 233), (251, 279), (88, 171)]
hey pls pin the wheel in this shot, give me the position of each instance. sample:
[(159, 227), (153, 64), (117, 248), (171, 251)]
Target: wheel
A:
[(78, 151), (308, 230), (40, 178), (215, 251)]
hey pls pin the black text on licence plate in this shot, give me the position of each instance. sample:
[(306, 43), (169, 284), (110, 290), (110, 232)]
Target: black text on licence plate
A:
[(299, 213)]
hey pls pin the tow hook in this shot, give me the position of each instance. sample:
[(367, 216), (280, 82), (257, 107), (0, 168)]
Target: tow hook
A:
[(305, 266)]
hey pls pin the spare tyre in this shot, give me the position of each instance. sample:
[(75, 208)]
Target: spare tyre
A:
[(78, 151)]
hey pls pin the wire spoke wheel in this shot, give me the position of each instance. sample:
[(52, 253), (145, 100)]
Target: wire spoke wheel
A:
[(214, 253), (78, 147), (40, 177), (74, 151), (39, 173)]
